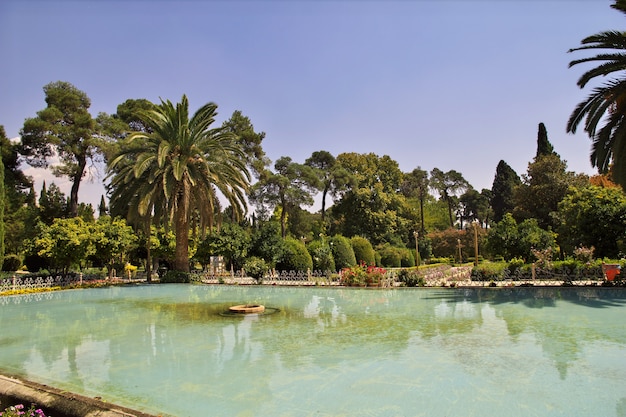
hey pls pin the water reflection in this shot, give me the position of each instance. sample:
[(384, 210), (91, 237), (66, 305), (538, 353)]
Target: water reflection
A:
[(342, 347)]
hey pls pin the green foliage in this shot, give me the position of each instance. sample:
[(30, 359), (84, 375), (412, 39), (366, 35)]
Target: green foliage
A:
[(502, 190), (407, 259), (255, 267), (371, 206), (321, 255), (448, 185), (342, 251), (394, 257), (544, 147), (175, 277), (113, 239), (231, 242), (593, 216), (267, 243), (11, 263), (64, 128), (603, 110), (546, 183), (290, 186), (489, 271), (176, 168), (510, 240), (411, 278), (295, 257), (363, 250), (66, 243), (514, 265)]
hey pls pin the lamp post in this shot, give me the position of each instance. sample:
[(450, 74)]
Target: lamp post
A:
[(417, 248), (458, 241), (476, 243)]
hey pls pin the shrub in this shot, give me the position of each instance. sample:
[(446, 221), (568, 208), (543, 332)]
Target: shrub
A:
[(35, 262), (407, 259), (363, 250), (175, 277), (321, 255), (514, 265), (255, 267), (11, 263), (389, 256), (343, 254), (411, 278), (295, 257)]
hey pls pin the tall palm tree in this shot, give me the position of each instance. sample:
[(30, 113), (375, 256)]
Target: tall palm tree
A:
[(607, 103), (178, 168)]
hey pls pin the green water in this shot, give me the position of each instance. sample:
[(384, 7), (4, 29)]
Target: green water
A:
[(328, 352)]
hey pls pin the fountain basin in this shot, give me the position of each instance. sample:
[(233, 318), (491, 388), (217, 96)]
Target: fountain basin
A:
[(247, 309)]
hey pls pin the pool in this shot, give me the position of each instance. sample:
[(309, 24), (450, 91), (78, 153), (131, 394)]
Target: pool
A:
[(170, 350)]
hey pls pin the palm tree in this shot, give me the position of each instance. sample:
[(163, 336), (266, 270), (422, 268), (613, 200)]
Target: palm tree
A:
[(177, 168), (606, 103)]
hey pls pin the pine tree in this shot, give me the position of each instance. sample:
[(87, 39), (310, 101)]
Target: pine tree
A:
[(2, 204)]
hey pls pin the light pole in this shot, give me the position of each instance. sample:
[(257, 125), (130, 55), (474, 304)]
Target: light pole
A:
[(458, 241), (417, 248)]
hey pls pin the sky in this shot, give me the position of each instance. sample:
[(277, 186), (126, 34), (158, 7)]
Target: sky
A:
[(454, 85)]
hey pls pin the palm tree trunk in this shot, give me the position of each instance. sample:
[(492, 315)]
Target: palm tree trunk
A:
[(181, 261)]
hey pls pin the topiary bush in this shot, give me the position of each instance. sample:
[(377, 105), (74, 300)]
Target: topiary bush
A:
[(407, 259), (11, 263), (343, 254), (175, 277), (295, 257), (363, 250), (389, 256)]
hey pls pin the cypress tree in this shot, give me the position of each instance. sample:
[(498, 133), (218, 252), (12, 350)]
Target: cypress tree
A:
[(544, 147), (504, 183)]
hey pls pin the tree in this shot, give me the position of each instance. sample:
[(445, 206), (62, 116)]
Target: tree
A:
[(103, 210), (543, 187), (291, 186), (371, 206), (448, 185), (66, 243), (604, 110), (415, 184), (52, 203), (231, 241), (332, 177), (502, 190), (474, 206), (113, 239), (250, 141), (544, 147), (178, 168), (64, 128), (593, 216), (512, 240)]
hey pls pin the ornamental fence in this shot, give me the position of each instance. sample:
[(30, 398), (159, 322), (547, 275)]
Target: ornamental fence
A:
[(444, 275)]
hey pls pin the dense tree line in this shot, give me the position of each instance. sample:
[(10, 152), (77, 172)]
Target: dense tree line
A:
[(189, 189)]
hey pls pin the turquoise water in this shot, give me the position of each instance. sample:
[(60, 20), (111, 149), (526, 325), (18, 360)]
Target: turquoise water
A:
[(328, 352)]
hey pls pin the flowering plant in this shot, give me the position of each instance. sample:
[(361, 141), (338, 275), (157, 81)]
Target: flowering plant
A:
[(18, 411), (362, 274)]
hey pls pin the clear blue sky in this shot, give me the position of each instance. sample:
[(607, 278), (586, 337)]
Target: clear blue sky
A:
[(448, 84)]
